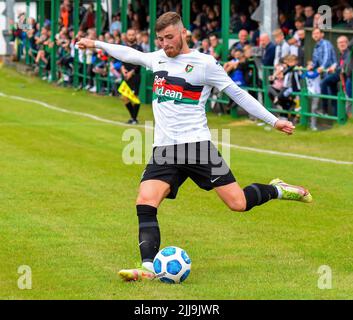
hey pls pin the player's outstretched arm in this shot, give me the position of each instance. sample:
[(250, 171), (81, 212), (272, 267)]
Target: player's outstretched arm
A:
[(215, 76), (255, 108), (122, 53)]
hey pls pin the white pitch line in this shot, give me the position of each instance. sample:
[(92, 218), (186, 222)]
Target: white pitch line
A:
[(119, 123)]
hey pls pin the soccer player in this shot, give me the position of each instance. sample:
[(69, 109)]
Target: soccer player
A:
[(183, 80)]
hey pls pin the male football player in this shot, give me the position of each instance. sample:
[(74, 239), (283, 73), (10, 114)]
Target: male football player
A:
[(183, 79)]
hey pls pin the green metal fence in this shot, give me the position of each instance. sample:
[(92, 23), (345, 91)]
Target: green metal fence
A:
[(146, 76)]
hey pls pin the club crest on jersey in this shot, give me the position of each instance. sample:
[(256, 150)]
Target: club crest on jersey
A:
[(189, 68)]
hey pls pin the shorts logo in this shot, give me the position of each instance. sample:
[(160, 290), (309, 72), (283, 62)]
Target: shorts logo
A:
[(189, 68)]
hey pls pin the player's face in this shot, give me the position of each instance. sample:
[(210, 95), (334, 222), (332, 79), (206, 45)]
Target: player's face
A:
[(171, 40)]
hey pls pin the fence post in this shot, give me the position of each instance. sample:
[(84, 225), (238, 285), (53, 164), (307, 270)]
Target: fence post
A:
[(54, 27), (267, 100), (304, 106), (225, 28), (76, 26), (153, 18), (186, 13), (123, 16), (341, 107)]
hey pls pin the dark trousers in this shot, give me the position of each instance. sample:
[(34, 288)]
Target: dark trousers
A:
[(329, 87)]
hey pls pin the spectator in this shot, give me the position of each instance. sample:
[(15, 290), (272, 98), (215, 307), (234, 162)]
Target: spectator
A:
[(145, 42), (298, 12), (284, 24), (312, 78), (216, 47), (347, 76), (318, 21), (205, 46), (324, 55), (236, 68), (243, 41), (88, 21), (243, 23), (331, 79), (196, 38), (268, 50), (282, 47), (348, 18), (116, 24), (189, 39), (309, 16)]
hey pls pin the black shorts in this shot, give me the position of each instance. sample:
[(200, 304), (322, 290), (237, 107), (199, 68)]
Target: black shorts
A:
[(134, 83), (200, 161)]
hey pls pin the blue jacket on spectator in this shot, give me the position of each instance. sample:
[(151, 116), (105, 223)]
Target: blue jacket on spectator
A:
[(269, 55), (324, 54)]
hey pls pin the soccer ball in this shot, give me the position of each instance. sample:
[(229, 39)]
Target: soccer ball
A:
[(172, 265)]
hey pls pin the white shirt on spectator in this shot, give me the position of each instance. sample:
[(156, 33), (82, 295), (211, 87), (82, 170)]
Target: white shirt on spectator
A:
[(282, 50)]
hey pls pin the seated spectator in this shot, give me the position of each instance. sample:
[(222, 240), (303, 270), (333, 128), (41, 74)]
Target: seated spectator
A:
[(205, 46), (236, 68), (243, 41), (242, 24), (348, 18), (216, 47), (309, 16)]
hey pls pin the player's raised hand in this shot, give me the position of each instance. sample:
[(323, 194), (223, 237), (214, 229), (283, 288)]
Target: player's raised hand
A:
[(85, 43), (285, 126)]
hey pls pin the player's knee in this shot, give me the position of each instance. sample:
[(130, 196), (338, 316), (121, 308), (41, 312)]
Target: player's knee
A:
[(147, 197), (238, 205)]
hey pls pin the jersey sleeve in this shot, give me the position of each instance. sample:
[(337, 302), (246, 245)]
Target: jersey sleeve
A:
[(127, 54), (215, 76)]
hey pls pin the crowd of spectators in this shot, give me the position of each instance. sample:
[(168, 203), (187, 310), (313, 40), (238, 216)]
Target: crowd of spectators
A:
[(285, 53)]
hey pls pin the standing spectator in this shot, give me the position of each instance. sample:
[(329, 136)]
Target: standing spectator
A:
[(145, 42), (216, 47), (269, 50), (348, 17), (312, 79), (347, 74), (282, 47), (116, 24), (132, 76), (88, 21), (332, 78), (324, 55), (309, 16)]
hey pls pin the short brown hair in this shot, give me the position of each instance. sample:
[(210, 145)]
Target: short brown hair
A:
[(167, 19)]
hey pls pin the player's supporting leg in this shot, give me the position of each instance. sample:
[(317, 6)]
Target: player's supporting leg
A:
[(151, 194), (241, 200)]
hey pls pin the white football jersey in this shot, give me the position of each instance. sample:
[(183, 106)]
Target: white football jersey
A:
[(181, 87)]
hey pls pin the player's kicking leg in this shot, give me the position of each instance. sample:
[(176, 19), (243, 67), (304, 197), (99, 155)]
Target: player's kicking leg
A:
[(240, 200), (151, 194)]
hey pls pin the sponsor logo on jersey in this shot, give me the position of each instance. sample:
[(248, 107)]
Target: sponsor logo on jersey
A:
[(168, 88)]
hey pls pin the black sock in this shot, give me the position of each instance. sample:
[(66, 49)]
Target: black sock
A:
[(258, 194), (131, 109), (136, 108), (149, 235)]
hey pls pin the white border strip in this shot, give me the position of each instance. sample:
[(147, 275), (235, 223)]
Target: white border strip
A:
[(119, 123)]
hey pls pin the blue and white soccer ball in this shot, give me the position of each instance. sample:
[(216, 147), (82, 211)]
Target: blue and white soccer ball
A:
[(172, 265)]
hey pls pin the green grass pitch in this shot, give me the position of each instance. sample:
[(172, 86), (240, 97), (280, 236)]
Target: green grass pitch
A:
[(67, 207)]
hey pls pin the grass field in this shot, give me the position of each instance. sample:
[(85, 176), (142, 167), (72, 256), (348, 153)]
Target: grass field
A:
[(67, 207)]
